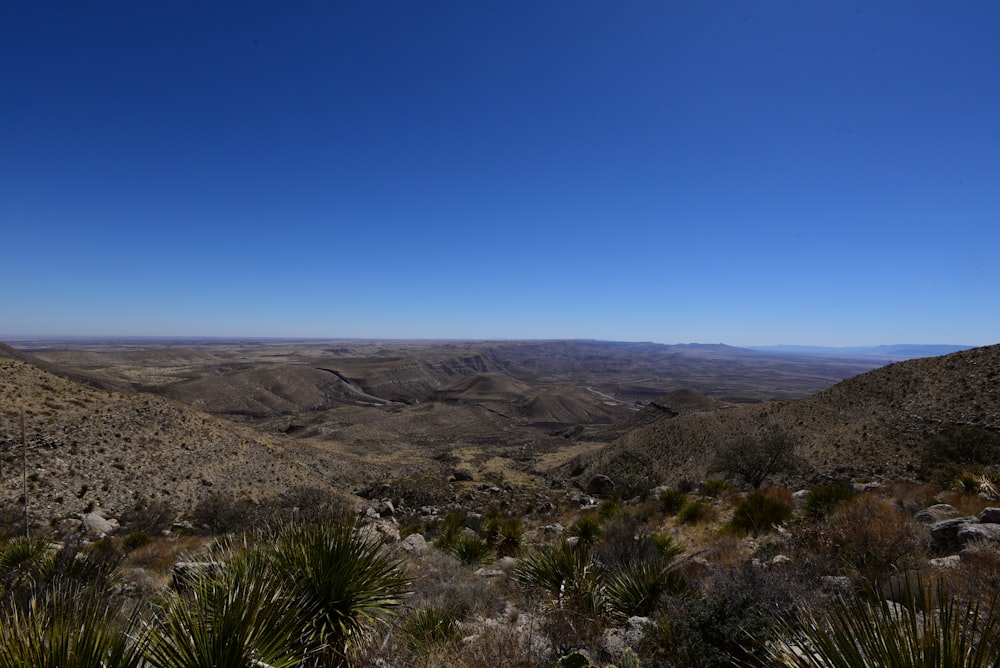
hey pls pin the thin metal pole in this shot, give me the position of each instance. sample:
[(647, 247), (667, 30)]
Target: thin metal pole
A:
[(24, 476)]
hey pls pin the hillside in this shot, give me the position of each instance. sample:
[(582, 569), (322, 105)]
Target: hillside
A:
[(95, 447), (876, 424)]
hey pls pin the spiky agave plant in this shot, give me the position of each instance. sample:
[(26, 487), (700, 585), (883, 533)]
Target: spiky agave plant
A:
[(929, 629), (235, 617), (344, 579), (65, 626), (570, 576)]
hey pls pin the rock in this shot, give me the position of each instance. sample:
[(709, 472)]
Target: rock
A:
[(489, 573), (601, 486), (944, 534), (462, 475), (555, 529), (780, 560), (385, 508), (937, 513), (979, 532), (990, 516), (506, 563), (94, 524), (415, 543), (950, 561)]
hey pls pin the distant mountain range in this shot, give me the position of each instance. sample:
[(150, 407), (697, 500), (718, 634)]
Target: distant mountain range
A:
[(895, 352)]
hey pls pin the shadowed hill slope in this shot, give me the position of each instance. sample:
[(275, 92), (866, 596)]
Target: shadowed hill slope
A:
[(876, 424)]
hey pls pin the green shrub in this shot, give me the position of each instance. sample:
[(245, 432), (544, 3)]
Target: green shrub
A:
[(714, 487), (758, 513), (430, 627), (672, 500), (820, 501), (693, 512), (135, 540)]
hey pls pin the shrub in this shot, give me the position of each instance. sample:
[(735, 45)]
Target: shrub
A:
[(694, 512), (671, 501), (759, 513), (135, 540), (714, 487), (430, 627), (874, 539), (820, 501), (449, 530), (753, 459)]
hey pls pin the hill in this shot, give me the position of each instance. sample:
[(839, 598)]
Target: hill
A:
[(877, 424), (92, 447)]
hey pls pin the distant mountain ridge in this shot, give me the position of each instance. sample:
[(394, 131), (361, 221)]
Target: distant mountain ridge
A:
[(895, 352), (875, 424)]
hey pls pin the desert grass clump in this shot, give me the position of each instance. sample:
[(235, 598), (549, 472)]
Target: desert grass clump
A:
[(430, 629), (671, 500), (694, 512), (820, 501), (921, 624), (759, 513)]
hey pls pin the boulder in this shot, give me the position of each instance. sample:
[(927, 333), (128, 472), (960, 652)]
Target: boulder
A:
[(990, 516), (96, 525), (979, 532), (462, 475), (601, 486), (415, 543), (939, 512), (944, 534)]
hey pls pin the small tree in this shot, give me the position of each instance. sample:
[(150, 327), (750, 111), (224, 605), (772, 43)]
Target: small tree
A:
[(753, 459)]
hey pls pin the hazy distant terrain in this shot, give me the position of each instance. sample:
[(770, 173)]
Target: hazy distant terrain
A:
[(115, 421)]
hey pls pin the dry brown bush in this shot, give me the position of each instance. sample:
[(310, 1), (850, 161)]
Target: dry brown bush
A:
[(873, 538)]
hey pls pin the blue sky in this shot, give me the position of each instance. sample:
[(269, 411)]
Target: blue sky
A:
[(753, 173)]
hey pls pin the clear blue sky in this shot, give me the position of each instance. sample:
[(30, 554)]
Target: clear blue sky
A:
[(751, 173)]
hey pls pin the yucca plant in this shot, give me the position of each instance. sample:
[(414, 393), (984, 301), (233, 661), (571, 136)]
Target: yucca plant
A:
[(570, 576), (929, 629), (26, 563), (67, 627), (637, 589), (236, 617), (587, 530), (343, 578), (505, 535), (471, 550)]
